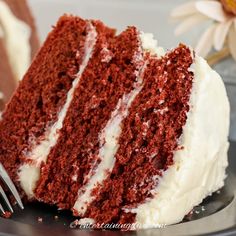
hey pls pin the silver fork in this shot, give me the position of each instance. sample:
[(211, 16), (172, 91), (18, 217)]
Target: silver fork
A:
[(9, 184)]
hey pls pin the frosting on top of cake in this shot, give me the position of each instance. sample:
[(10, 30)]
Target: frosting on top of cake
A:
[(16, 36)]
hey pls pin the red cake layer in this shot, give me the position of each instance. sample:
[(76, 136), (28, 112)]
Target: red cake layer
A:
[(100, 88), (149, 137), (42, 92)]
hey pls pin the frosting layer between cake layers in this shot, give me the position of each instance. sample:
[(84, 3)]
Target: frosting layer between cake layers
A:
[(16, 36), (108, 145), (199, 168), (109, 137)]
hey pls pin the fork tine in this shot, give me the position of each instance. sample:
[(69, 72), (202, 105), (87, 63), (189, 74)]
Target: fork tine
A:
[(5, 199), (5, 177), (1, 209)]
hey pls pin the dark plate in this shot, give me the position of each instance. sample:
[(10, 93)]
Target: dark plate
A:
[(215, 216)]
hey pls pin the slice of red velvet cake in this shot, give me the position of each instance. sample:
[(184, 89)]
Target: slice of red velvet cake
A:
[(18, 45), (115, 129)]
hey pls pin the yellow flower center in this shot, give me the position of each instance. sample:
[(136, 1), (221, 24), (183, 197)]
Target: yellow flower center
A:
[(229, 5)]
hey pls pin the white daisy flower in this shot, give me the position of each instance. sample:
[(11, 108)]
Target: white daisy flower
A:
[(221, 31)]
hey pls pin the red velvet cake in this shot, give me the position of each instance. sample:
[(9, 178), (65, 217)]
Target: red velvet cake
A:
[(115, 129), (18, 45)]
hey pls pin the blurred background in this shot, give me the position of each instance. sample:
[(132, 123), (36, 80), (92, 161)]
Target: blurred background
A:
[(148, 15)]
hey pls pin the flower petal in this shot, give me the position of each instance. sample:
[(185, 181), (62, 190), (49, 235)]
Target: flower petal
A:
[(188, 23), (212, 9), (184, 10), (220, 34), (206, 41), (232, 42)]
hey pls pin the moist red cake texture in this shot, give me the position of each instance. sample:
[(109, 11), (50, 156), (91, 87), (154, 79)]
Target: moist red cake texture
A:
[(144, 153), (43, 89), (150, 128), (87, 118)]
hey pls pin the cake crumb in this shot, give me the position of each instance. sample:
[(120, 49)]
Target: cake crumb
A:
[(56, 217), (40, 219), (106, 54)]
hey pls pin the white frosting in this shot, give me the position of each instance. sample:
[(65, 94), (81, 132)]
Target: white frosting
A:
[(108, 140), (30, 173), (198, 169), (16, 36), (150, 44)]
